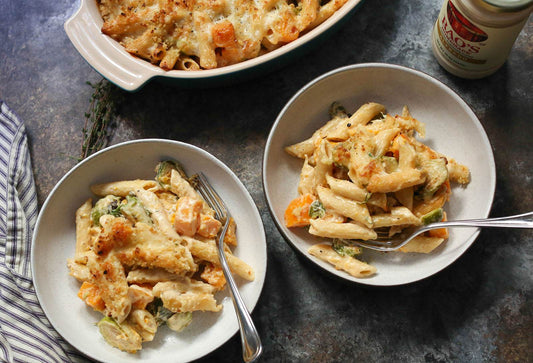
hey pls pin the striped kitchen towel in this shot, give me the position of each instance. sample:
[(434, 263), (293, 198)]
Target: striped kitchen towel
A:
[(26, 335)]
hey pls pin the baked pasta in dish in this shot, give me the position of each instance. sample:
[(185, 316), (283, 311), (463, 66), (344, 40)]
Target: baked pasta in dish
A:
[(207, 34), (146, 255), (367, 172)]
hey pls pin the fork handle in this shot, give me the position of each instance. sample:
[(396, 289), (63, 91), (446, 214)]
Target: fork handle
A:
[(517, 221), (251, 342)]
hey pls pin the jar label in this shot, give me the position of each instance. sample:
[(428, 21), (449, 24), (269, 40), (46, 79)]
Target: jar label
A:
[(471, 46)]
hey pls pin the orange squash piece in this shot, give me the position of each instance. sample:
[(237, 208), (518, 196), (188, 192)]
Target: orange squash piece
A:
[(440, 232), (91, 295), (297, 212)]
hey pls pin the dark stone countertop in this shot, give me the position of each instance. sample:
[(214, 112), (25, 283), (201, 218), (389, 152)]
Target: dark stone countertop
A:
[(479, 309)]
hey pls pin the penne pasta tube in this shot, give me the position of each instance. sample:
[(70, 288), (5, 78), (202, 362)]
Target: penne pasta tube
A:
[(123, 188), (186, 295), (383, 140), (397, 217), (306, 184), (169, 60), (348, 230), (150, 275), (349, 264), (422, 244), (83, 225), (324, 164), (157, 212), (188, 64), (109, 276), (302, 149), (182, 188), (344, 206), (385, 183), (209, 252), (407, 154), (326, 11), (329, 130), (365, 114), (78, 270), (347, 189)]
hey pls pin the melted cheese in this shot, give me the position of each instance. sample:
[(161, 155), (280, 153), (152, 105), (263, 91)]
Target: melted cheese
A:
[(181, 34)]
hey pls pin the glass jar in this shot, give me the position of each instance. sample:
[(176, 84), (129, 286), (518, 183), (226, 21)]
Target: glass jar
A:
[(473, 38)]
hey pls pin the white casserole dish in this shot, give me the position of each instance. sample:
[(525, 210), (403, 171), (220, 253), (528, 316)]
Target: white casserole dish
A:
[(111, 60)]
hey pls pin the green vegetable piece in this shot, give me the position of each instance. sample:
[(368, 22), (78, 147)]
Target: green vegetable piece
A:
[(107, 205), (336, 110), (434, 216), (344, 248), (437, 174), (121, 336), (134, 210), (316, 209), (179, 321), (164, 171), (160, 313)]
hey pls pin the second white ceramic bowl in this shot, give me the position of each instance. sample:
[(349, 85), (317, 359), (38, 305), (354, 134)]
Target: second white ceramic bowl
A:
[(451, 128), (54, 241)]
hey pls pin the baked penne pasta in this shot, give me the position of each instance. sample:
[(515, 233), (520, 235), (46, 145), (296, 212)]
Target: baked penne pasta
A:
[(208, 251), (324, 228), (398, 216), (209, 34), (347, 189), (123, 188), (146, 255), (83, 228), (186, 295), (349, 264), (367, 171), (422, 244), (337, 204)]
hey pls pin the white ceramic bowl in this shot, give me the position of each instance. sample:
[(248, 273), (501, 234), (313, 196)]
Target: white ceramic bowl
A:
[(451, 127), (54, 242), (110, 59)]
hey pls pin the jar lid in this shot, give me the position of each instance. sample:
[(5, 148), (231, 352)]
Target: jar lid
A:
[(509, 5)]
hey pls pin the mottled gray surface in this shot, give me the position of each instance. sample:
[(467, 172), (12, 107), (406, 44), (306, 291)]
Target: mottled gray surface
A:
[(480, 309)]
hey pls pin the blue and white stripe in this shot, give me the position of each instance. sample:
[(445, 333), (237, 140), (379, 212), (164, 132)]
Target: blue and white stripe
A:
[(25, 333)]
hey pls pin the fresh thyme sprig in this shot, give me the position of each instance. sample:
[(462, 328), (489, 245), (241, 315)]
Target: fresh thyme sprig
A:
[(100, 117)]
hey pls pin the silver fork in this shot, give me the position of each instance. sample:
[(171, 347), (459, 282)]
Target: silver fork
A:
[(251, 342), (386, 243)]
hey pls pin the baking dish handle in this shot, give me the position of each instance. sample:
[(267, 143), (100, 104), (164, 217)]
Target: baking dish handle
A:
[(104, 54)]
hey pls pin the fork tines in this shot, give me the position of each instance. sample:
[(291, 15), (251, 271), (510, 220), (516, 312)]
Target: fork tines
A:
[(211, 196)]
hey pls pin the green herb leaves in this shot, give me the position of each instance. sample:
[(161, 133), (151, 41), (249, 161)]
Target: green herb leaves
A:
[(99, 119)]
